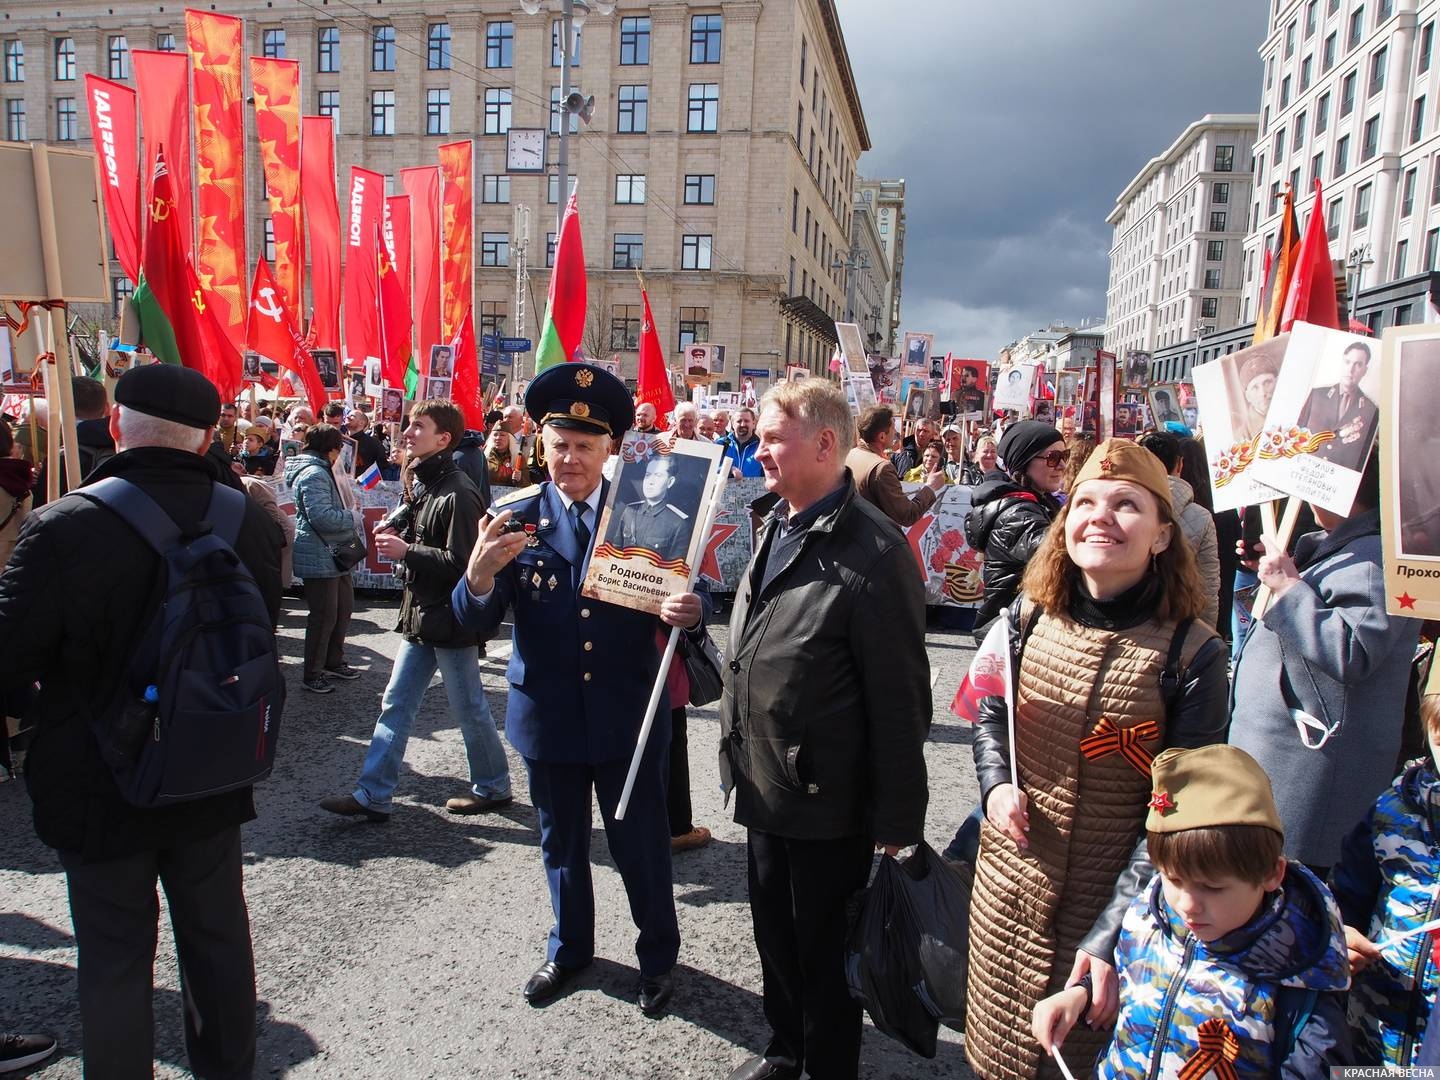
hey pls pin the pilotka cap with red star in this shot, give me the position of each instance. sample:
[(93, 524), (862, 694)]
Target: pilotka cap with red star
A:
[(1120, 459), (1209, 786)]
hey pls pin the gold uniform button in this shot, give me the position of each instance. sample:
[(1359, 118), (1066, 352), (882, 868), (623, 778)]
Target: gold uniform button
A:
[(589, 645), (587, 676), (584, 612)]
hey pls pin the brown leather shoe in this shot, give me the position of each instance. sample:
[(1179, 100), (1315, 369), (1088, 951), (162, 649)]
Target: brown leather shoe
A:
[(697, 837), (474, 804), (349, 806)]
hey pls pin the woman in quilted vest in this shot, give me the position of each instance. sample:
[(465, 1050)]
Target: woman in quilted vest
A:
[(1112, 667)]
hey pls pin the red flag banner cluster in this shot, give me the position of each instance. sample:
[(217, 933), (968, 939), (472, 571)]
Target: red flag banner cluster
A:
[(276, 84), (322, 216), (115, 124)]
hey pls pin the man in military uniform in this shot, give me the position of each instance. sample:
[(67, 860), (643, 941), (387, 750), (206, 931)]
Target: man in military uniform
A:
[(652, 523), (580, 676)]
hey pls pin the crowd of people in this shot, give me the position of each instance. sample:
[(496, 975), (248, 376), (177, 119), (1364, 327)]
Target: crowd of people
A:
[(1205, 834)]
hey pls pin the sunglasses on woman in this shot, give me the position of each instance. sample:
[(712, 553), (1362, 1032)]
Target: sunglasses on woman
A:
[(1055, 458)]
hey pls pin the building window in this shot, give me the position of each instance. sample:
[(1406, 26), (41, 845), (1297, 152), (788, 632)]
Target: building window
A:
[(700, 189), (550, 247), (1357, 27), (382, 49), (1290, 40), (1407, 194), (64, 59), (15, 129), (1347, 94), (555, 29), (1404, 314), (635, 40), (1311, 10), (1285, 92), (1317, 168), (1336, 208), (14, 61), (437, 112), (164, 42), (1383, 10), (695, 252), (437, 47), (330, 106), (500, 45), (1377, 71), (1217, 220), (1402, 248), (795, 211), (1214, 250), (494, 249), (1370, 138), (1224, 159), (632, 117), (1212, 279), (552, 190), (1322, 114), (268, 241), (1427, 41), (1417, 119), (1361, 213), (1220, 194), (804, 55), (1327, 54), (1432, 242), (1274, 199), (120, 292), (799, 123), (328, 54), (625, 327), (382, 112), (695, 325), (1435, 186), (1279, 145), (704, 39), (629, 251), (495, 189), (703, 113), (1342, 155), (629, 188), (494, 314), (1301, 123), (65, 119), (272, 44), (498, 106), (1209, 307), (119, 57), (1306, 67)]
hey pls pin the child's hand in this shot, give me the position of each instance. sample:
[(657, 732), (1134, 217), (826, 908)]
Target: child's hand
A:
[(1056, 1015), (1361, 950)]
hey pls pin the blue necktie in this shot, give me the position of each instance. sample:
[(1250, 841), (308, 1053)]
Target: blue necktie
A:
[(582, 531)]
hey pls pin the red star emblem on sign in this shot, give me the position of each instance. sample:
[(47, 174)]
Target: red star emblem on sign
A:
[(710, 562), (1406, 600), (1161, 802), (914, 534)]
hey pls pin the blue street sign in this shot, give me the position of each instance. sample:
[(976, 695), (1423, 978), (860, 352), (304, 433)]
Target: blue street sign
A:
[(506, 344), (756, 373)]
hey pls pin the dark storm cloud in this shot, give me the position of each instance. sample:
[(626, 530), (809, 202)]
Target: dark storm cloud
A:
[(1016, 125)]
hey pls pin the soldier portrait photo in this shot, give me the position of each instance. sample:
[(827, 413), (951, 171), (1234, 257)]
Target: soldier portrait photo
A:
[(1344, 408), (658, 504), (327, 363)]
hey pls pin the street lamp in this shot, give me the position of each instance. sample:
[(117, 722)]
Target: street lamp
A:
[(1355, 264), (858, 260), (1201, 330), (573, 14)]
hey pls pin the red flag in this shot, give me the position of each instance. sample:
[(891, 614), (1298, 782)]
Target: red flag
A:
[(1279, 265), (989, 674), (200, 339), (276, 86), (114, 122), (1311, 297), (272, 334), (457, 260), (422, 185), (163, 79), (394, 313), (322, 216), (362, 268), (466, 390), (564, 325), (652, 381)]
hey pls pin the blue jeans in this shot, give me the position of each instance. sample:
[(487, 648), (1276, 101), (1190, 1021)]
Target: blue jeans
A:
[(1240, 618), (460, 672)]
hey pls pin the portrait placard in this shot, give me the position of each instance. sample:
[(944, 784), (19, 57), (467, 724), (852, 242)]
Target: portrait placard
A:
[(1410, 470), (1136, 371), (1105, 365), (649, 541), (1323, 418), (327, 363), (1164, 401), (437, 388), (916, 354), (1067, 387), (442, 362), (852, 348), (1012, 391), (1233, 394), (967, 380), (794, 372), (373, 381), (392, 405), (250, 371), (1128, 419)]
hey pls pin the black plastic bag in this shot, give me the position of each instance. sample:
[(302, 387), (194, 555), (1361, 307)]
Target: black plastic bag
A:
[(906, 956)]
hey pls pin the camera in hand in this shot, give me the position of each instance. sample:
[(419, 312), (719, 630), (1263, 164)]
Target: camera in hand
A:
[(400, 521), (514, 525)]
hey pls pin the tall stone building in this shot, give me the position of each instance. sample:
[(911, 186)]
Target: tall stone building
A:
[(720, 158), (888, 199)]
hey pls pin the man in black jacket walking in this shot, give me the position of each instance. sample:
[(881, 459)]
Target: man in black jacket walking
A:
[(80, 584), (434, 550), (824, 718)]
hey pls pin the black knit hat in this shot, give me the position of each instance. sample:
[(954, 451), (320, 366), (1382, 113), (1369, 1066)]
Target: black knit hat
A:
[(1022, 443), (170, 392)]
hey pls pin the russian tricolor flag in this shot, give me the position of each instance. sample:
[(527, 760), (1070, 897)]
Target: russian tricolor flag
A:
[(370, 477)]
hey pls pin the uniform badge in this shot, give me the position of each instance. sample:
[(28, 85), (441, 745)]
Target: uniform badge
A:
[(531, 540), (579, 408), (584, 378), (552, 582), (535, 581), (544, 523)]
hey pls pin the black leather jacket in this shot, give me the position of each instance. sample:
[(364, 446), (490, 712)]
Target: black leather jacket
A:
[(1006, 523), (446, 524), (1198, 716)]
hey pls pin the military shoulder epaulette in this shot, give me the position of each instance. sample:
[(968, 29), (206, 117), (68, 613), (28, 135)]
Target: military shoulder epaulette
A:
[(676, 510), (515, 496)]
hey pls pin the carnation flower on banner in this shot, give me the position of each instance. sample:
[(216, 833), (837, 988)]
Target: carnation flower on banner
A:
[(989, 674)]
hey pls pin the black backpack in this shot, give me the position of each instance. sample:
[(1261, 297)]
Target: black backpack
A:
[(198, 709)]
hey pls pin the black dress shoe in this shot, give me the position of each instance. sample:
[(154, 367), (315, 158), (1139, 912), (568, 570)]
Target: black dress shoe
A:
[(655, 993), (547, 982), (758, 1068)]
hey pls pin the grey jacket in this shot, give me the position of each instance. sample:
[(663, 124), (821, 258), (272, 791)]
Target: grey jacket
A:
[(1326, 647), (1198, 525), (320, 516)]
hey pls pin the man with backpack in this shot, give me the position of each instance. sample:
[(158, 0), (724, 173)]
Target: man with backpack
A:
[(86, 632)]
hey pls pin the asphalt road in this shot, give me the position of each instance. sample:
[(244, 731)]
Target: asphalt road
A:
[(399, 950)]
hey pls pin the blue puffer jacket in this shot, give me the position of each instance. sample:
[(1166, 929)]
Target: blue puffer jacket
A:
[(1387, 882), (319, 515), (1275, 983)]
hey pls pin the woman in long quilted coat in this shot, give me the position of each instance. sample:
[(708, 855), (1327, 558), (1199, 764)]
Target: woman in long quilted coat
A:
[(1112, 666)]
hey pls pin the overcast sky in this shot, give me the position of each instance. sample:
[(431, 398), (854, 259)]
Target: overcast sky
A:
[(1015, 126)]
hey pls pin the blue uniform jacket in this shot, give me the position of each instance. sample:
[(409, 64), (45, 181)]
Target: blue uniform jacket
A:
[(581, 670)]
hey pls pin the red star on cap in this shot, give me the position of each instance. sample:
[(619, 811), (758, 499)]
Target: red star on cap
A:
[(1161, 802), (1406, 600), (1106, 464)]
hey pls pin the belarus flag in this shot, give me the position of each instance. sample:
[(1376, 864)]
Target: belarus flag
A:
[(370, 477), (989, 674)]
